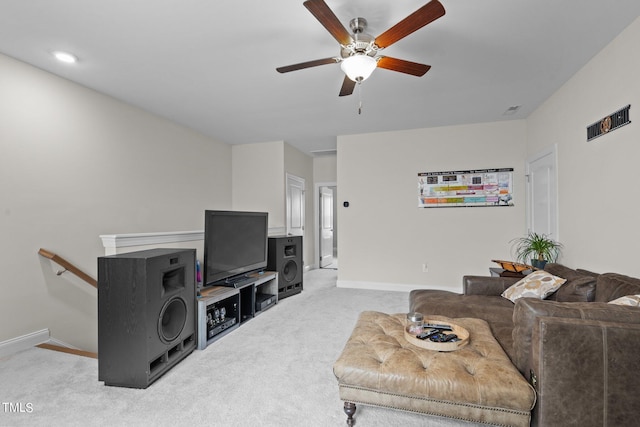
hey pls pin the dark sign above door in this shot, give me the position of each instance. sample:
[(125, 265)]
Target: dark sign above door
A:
[(609, 123)]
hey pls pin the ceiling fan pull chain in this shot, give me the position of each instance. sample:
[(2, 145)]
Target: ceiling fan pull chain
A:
[(359, 97)]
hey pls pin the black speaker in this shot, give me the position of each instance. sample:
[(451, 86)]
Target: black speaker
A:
[(147, 313), (285, 257)]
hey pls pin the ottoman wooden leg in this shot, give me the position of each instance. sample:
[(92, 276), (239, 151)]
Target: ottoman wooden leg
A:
[(350, 409)]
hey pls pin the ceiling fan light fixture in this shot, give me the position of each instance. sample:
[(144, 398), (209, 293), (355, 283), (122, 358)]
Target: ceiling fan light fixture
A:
[(358, 67)]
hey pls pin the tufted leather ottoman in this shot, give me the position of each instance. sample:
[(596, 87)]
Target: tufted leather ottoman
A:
[(475, 383)]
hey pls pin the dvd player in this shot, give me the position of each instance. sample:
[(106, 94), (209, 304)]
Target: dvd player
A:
[(215, 330), (264, 301)]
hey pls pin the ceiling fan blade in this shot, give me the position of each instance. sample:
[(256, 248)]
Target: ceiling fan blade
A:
[(307, 64), (329, 20), (418, 19), (402, 66), (347, 87)]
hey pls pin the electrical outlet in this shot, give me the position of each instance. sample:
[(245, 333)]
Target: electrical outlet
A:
[(425, 269)]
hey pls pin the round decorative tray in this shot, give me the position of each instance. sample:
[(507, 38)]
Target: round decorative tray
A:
[(461, 332)]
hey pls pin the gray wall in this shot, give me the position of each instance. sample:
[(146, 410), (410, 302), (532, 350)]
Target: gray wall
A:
[(76, 164), (259, 183), (385, 238), (597, 180)]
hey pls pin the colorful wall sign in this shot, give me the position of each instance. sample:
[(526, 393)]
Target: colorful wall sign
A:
[(480, 187)]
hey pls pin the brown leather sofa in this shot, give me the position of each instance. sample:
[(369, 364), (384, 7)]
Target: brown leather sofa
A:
[(580, 353)]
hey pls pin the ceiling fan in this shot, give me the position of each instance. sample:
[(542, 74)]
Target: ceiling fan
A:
[(359, 52)]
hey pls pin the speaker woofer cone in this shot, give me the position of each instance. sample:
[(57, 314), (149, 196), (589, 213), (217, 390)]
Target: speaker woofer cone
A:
[(172, 319), (289, 270)]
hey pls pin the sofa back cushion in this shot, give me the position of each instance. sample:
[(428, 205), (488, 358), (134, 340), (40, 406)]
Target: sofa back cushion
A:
[(613, 285), (587, 272), (579, 287)]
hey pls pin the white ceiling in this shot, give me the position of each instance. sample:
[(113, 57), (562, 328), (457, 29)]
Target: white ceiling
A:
[(210, 65)]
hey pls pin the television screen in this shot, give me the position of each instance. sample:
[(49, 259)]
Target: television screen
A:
[(235, 243)]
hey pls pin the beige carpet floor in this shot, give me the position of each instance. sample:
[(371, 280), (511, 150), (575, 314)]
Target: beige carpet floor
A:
[(275, 370)]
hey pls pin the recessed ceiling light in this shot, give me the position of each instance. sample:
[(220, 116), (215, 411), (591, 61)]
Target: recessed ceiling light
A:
[(65, 57)]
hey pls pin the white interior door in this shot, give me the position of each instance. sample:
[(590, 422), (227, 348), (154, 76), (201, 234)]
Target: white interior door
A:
[(542, 194), (295, 205), (326, 227)]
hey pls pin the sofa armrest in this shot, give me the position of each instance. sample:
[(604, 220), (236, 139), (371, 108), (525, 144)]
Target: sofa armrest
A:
[(486, 285), (528, 310), (583, 372)]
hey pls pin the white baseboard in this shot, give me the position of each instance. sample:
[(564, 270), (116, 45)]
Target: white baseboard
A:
[(24, 342), (379, 286), (62, 344)]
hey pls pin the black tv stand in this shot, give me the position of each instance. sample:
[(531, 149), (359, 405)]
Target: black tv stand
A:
[(242, 301)]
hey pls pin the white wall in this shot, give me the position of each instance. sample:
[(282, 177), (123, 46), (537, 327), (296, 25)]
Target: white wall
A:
[(385, 238), (76, 164), (325, 169), (598, 190), (258, 180), (259, 183)]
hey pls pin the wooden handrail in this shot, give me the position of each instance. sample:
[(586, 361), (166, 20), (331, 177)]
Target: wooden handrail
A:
[(68, 350), (68, 267)]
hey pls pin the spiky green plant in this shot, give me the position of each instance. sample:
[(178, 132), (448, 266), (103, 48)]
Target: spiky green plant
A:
[(536, 246)]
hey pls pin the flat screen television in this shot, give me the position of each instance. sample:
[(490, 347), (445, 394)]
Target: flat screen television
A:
[(235, 244)]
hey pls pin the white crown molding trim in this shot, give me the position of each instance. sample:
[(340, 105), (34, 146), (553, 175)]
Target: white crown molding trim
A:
[(112, 241), (379, 286), (143, 239), (23, 342)]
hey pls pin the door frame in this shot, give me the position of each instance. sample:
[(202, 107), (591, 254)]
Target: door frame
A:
[(327, 194), (553, 152), (288, 203), (316, 217)]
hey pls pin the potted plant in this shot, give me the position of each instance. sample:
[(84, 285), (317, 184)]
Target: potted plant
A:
[(538, 249)]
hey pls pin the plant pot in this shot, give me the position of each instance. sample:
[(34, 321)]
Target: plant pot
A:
[(538, 263)]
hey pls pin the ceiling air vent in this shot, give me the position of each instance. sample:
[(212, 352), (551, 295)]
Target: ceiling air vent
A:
[(609, 123), (511, 110)]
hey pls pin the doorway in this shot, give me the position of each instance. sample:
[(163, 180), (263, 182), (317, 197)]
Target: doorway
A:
[(295, 201), (327, 227), (542, 193)]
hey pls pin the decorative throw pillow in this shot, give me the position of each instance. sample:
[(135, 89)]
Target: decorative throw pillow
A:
[(632, 300), (538, 284)]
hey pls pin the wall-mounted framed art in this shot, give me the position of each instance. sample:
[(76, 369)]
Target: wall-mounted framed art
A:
[(468, 188)]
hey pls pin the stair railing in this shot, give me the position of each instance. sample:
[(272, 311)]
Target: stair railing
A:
[(84, 276), (68, 350), (68, 267)]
